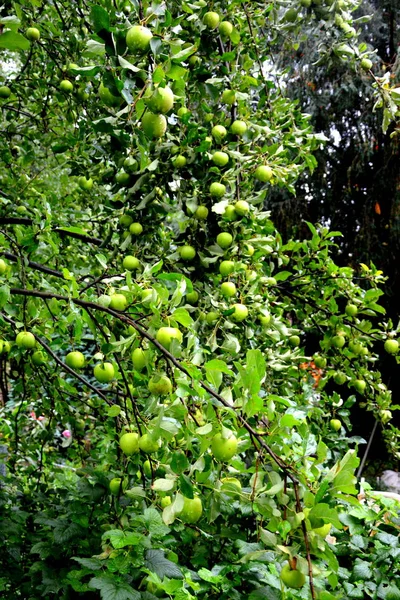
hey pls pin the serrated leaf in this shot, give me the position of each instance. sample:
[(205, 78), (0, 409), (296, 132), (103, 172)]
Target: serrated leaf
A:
[(11, 40), (90, 563), (111, 588), (156, 562)]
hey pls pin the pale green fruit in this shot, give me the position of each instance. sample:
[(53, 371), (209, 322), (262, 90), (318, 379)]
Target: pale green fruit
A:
[(154, 126), (162, 100), (366, 64), (66, 86), (192, 297), (129, 443), (224, 449), (192, 510), (391, 346), (263, 173), (160, 385), (241, 313), (5, 91), (138, 39), (165, 335), (148, 445), (217, 190), (136, 228), (228, 97), (104, 372), (187, 252), (3, 266), (292, 578), (75, 360), (32, 34), (225, 28), (242, 207), (238, 127), (118, 302), (211, 20), (218, 132), (226, 267), (25, 340), (224, 240), (201, 212), (139, 360), (131, 263), (220, 158), (228, 289)]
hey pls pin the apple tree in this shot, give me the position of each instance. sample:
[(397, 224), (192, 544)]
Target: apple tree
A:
[(177, 379)]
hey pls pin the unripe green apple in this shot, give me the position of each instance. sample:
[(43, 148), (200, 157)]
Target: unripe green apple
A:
[(224, 240), (366, 64), (66, 86), (122, 177), (226, 267), (187, 252), (229, 213), (148, 445), (32, 34), (136, 228), (228, 289), (165, 501), (131, 164), (139, 360), (217, 190), (320, 361), (391, 346), (26, 340), (385, 416), (224, 449), (351, 310), (104, 372), (225, 29), (107, 97), (263, 173), (211, 20), (85, 184), (165, 335), (231, 486), (355, 347), (335, 424), (212, 317), (359, 385), (179, 161), (161, 101), (264, 319), (228, 97), (3, 266), (242, 207), (192, 297), (39, 358), (115, 486), (118, 302), (290, 15), (241, 313), (294, 340), (75, 360), (129, 443), (338, 341), (131, 263), (292, 578), (192, 510), (5, 91), (201, 212), (220, 158), (182, 111), (138, 39), (238, 127), (218, 132), (154, 126), (339, 378)]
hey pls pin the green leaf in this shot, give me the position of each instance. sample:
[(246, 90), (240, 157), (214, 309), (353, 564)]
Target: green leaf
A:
[(182, 316), (163, 485), (156, 562), (94, 564), (4, 295), (11, 40), (326, 514), (114, 410), (100, 18), (112, 588), (186, 486)]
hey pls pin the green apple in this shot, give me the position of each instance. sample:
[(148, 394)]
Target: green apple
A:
[(338, 341), (138, 39), (228, 289), (165, 335), (161, 101), (265, 319), (149, 445), (217, 190), (192, 510), (139, 359), (131, 263), (226, 267), (131, 164), (241, 313), (242, 208), (165, 501), (359, 385), (263, 173), (325, 529), (160, 385), (118, 302), (3, 266), (225, 29), (366, 64), (351, 310), (5, 91), (224, 449), (201, 212), (212, 317), (122, 177), (391, 346), (154, 126), (290, 15), (320, 361), (224, 240), (211, 20), (32, 34), (75, 360), (228, 97), (66, 86), (220, 158), (136, 228), (115, 486), (107, 97), (339, 378), (385, 416), (192, 297), (292, 578), (179, 161), (187, 252), (26, 340), (294, 340), (39, 358), (219, 133), (231, 486), (104, 372), (129, 443), (147, 464), (85, 184), (335, 424), (238, 127), (355, 347), (182, 111)]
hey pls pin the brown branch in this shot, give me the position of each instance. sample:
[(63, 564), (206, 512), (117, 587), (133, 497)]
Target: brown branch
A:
[(34, 265), (60, 230)]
